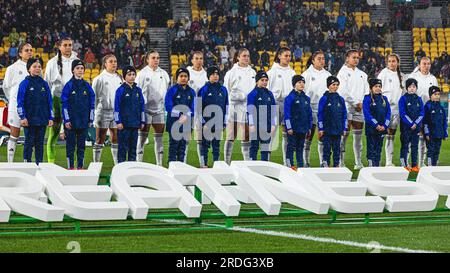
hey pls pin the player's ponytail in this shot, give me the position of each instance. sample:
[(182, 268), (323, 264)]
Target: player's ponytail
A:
[(399, 74), (59, 54)]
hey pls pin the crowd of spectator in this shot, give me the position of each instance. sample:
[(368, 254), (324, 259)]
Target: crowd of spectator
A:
[(236, 24), (46, 21)]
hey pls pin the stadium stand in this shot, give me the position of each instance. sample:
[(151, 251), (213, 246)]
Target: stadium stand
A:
[(305, 26)]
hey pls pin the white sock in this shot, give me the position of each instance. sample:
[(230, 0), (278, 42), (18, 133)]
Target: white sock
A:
[(389, 148), (284, 144), (142, 138), (307, 153), (228, 150), (422, 151), (245, 148), (159, 148), (320, 151), (12, 143), (186, 151), (114, 150), (97, 152), (343, 143), (357, 146), (199, 154)]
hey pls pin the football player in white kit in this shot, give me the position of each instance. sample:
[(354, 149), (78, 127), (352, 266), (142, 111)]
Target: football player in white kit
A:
[(392, 82), (280, 83), (105, 86), (239, 81), (424, 80), (197, 79), (315, 86), (57, 73), (353, 88), (154, 82), (14, 75)]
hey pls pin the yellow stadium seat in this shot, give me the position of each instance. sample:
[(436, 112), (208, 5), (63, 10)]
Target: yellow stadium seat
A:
[(131, 23), (445, 88), (143, 23)]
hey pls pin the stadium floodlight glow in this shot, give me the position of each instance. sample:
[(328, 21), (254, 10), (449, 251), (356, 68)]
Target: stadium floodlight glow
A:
[(138, 188)]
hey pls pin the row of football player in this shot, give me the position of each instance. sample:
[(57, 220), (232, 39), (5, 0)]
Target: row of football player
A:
[(238, 81)]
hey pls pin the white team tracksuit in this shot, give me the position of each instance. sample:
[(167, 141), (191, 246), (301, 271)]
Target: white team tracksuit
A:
[(353, 87), (154, 85), (197, 79), (105, 86), (393, 91), (239, 81), (280, 83), (14, 75), (315, 87)]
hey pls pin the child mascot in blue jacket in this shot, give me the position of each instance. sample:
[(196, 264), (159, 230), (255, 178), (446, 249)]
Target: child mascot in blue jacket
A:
[(213, 98), (298, 120), (411, 111), (262, 117), (435, 125), (377, 114), (129, 115), (34, 106), (78, 105), (332, 121), (179, 104)]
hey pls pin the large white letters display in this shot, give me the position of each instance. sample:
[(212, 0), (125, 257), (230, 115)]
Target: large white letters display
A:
[(438, 178), (401, 195), (335, 185), (48, 192)]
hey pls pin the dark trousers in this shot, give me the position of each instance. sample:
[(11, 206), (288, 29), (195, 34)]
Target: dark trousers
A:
[(206, 144), (296, 143), (34, 138), (433, 151), (265, 149), (127, 138), (75, 138), (408, 138), (374, 148), (331, 143)]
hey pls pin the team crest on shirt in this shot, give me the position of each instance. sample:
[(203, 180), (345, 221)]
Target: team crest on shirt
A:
[(313, 79), (210, 94), (239, 77), (279, 76), (432, 112), (297, 101), (349, 75), (191, 81), (20, 73), (73, 92), (85, 92), (390, 80), (137, 95), (147, 79), (42, 89), (178, 96), (409, 104), (32, 88), (106, 83), (127, 95), (260, 99)]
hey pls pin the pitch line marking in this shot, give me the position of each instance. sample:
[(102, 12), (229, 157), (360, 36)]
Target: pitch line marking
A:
[(370, 246)]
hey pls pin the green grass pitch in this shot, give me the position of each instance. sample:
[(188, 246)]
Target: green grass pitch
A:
[(433, 237)]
